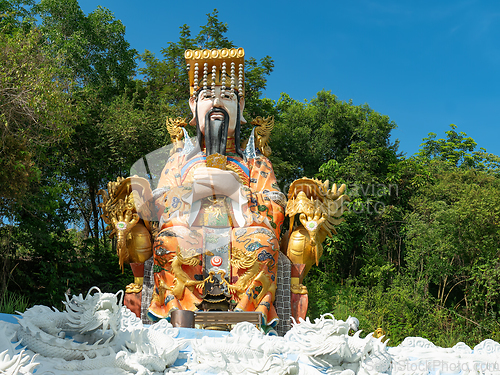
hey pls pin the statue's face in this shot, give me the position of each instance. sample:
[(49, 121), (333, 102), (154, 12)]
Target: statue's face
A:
[(226, 101)]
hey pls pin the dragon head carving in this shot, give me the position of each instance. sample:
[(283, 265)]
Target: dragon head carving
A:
[(95, 311), (319, 209)]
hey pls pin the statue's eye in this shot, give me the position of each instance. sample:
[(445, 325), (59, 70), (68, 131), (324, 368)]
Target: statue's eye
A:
[(206, 94), (227, 95)]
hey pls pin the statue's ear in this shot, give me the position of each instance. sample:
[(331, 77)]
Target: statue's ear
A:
[(192, 105), (242, 107)]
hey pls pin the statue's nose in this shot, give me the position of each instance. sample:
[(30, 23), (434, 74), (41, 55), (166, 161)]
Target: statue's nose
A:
[(217, 102)]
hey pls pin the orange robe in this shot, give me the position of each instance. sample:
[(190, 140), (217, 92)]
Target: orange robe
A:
[(181, 246)]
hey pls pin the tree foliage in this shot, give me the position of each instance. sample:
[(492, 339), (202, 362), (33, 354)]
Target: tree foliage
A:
[(310, 134), (92, 47), (458, 150), (452, 231), (15, 15), (35, 111), (425, 226)]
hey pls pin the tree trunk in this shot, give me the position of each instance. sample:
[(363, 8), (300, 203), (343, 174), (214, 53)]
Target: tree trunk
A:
[(95, 215), (6, 255)]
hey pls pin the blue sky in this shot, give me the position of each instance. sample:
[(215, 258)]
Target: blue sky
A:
[(425, 64)]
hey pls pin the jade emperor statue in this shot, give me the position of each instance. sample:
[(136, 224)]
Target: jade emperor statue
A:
[(218, 207)]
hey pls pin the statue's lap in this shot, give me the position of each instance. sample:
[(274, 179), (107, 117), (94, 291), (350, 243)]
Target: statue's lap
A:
[(179, 254)]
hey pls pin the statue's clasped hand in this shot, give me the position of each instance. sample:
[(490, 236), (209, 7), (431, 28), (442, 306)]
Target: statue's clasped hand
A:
[(213, 181)]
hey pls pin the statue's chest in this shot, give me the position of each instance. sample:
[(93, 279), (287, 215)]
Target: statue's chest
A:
[(233, 164)]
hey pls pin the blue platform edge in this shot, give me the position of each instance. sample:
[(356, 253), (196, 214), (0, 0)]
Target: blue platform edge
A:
[(9, 318)]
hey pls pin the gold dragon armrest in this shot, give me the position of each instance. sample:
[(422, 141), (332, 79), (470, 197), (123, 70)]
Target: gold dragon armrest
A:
[(319, 210), (126, 208)]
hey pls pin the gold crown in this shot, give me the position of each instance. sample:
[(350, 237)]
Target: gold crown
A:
[(217, 67)]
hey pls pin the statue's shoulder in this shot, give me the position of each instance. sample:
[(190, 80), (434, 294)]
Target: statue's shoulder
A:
[(174, 159), (181, 156)]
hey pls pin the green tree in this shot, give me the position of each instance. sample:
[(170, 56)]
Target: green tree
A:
[(343, 143), (96, 56), (92, 47), (458, 150), (35, 112), (15, 15), (310, 134), (452, 233)]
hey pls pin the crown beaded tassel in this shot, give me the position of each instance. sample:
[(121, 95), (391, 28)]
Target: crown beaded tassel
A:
[(216, 63)]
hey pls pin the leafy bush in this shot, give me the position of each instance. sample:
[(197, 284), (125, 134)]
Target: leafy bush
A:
[(401, 310)]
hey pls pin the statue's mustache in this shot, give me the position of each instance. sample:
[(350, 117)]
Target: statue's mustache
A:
[(218, 110)]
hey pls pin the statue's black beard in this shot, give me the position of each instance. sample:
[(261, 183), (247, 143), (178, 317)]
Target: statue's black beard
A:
[(216, 132)]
